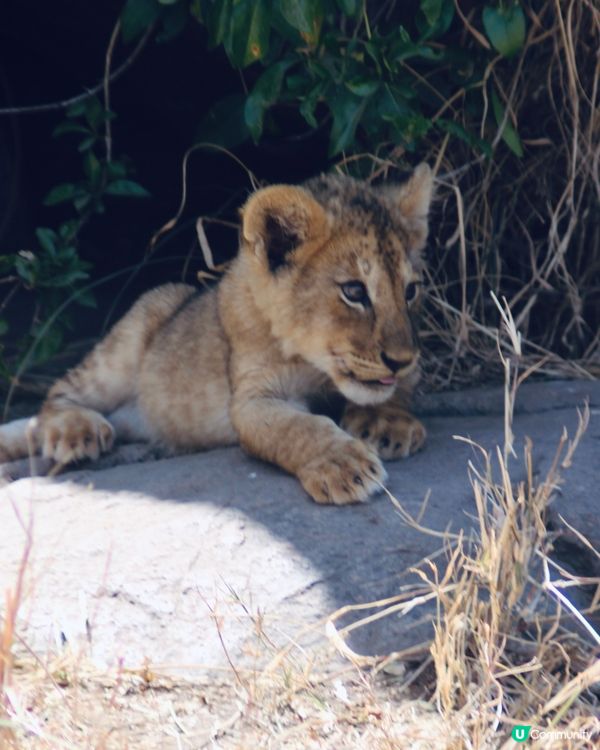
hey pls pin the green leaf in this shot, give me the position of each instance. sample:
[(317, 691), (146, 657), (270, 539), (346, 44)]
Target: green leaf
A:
[(64, 279), (168, 2), (116, 169), (309, 104), (137, 16), (3, 327), (196, 10), (82, 201), (505, 27), (509, 134), (69, 127), (363, 87), (404, 49), (457, 130), (87, 143), (409, 130), (264, 94), (127, 188), (173, 21), (68, 254), (92, 169), (218, 21), (391, 103), (349, 7), (61, 193), (94, 112), (304, 15), (347, 110), (373, 49), (224, 123), (431, 10), (47, 239), (76, 109), (68, 229), (86, 298), (248, 38), (26, 266), (435, 18)]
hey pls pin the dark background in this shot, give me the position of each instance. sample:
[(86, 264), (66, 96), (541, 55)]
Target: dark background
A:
[(50, 52)]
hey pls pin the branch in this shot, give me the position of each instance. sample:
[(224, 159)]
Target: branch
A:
[(52, 106), (106, 86)]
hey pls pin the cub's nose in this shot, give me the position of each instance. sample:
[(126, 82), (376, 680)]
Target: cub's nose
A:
[(397, 364)]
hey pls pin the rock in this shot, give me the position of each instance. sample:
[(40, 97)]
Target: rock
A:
[(182, 560)]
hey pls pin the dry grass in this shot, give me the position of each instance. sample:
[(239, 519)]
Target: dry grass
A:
[(515, 237), (508, 649), (527, 228)]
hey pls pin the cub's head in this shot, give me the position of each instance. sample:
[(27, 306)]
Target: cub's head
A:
[(335, 267)]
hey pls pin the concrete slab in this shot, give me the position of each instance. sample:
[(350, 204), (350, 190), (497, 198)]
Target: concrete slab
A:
[(172, 560)]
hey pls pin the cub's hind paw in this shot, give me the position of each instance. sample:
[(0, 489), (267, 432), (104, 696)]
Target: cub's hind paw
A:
[(349, 472), (73, 434)]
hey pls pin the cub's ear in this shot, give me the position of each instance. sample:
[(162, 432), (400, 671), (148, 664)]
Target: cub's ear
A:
[(411, 201), (278, 219)]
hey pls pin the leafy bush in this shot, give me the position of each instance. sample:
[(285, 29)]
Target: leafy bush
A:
[(377, 76), (500, 95), (54, 270)]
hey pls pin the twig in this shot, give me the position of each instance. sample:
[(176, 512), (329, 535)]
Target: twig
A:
[(184, 170), (63, 104), (106, 86)]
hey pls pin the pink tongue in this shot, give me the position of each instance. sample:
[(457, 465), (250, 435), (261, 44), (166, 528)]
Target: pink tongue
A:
[(387, 381)]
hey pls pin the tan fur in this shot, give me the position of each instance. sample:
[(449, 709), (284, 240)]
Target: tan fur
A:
[(239, 363)]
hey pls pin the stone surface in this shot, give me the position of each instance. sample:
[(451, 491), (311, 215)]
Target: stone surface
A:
[(175, 560)]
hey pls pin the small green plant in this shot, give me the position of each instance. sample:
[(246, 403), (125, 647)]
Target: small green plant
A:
[(102, 174), (53, 269), (376, 79), (496, 94)]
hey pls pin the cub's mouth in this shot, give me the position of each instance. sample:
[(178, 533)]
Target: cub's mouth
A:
[(377, 384), (365, 391), (382, 383)]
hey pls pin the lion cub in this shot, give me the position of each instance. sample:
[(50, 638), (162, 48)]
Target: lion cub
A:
[(321, 297)]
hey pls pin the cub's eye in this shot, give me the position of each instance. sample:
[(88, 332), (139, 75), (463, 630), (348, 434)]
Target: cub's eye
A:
[(356, 292), (410, 293)]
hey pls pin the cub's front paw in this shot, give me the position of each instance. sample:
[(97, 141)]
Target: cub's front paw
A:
[(392, 432), (346, 473), (72, 434)]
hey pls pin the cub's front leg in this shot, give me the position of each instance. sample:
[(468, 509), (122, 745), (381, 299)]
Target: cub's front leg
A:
[(332, 466), (389, 428)]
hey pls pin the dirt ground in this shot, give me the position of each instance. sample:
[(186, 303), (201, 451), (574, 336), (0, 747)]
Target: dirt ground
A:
[(176, 581)]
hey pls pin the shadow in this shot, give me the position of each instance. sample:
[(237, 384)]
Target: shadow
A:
[(221, 533)]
